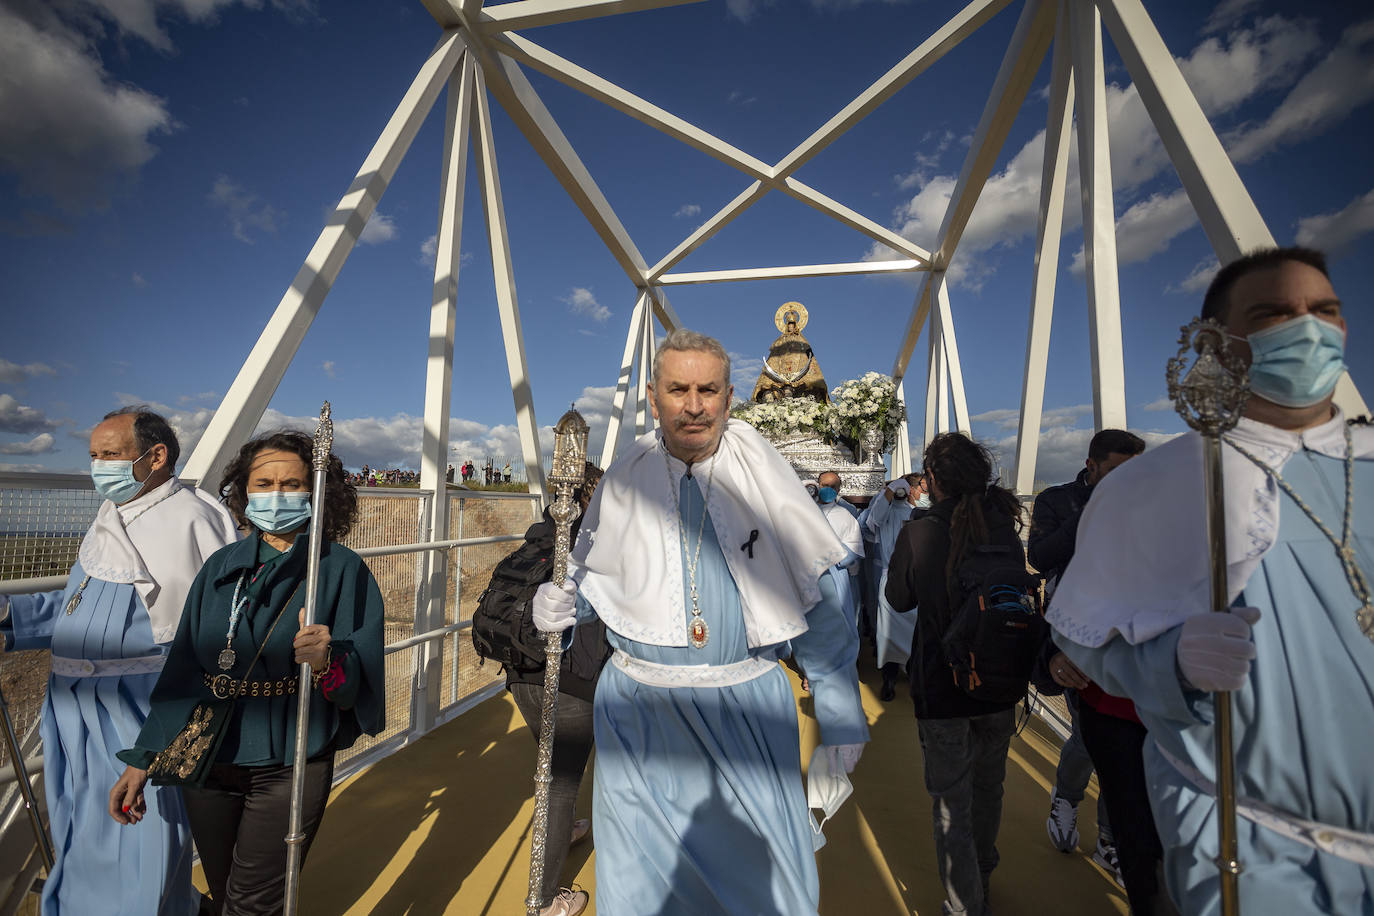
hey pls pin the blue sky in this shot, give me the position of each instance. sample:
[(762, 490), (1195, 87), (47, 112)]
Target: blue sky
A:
[(166, 165)]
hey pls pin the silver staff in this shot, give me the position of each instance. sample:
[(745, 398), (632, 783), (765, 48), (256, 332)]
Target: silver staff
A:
[(1210, 396), (569, 467), (295, 835), (21, 772)]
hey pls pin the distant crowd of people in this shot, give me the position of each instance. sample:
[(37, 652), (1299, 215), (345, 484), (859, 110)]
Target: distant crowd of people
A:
[(376, 477), (488, 474)]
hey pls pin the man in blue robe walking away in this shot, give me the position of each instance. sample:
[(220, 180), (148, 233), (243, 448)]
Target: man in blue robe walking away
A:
[(707, 563), (1133, 611), (108, 631)]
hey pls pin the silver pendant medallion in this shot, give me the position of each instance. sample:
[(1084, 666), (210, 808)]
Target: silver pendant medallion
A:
[(71, 605), (1365, 618), (227, 659), (698, 634)]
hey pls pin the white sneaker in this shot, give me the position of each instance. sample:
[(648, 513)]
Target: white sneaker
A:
[(1105, 855), (569, 902), (1062, 824)]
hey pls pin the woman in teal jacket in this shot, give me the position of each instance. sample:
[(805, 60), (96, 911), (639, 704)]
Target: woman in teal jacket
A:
[(241, 636)]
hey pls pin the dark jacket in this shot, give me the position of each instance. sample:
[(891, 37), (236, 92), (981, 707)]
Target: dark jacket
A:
[(916, 579), (262, 730), (581, 662), (1054, 525)]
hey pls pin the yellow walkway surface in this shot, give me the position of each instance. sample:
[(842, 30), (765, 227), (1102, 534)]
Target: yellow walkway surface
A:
[(442, 827)]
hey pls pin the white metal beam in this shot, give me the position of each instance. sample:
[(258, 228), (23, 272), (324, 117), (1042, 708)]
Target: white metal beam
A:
[(509, 86), (507, 306), (626, 102), (919, 310), (1053, 175), (963, 24), (262, 371), (901, 454), (941, 375), (528, 14), (1099, 218), (1034, 30), (853, 268), (434, 457), (622, 384), (663, 310), (723, 216), (853, 219), (642, 377), (933, 351), (940, 290)]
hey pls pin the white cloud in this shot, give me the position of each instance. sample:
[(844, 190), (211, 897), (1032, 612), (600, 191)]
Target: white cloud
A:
[(744, 373), (1333, 231), (328, 367), (1061, 452), (1010, 418), (14, 373), (1227, 14), (745, 10), (687, 210), (73, 134), (380, 228), (429, 251), (191, 398), (1223, 74), (581, 302), (1148, 227), (1159, 405), (38, 445), (138, 281), (17, 418), (245, 210), (1342, 82), (739, 97), (1198, 278)]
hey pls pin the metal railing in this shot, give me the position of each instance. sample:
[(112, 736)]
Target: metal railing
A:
[(42, 519)]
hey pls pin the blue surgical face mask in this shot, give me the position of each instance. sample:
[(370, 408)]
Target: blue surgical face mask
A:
[(1296, 363), (923, 501), (114, 480), (276, 511), (826, 495)]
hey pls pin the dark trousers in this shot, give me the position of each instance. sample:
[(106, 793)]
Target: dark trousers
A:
[(1115, 746), (239, 820), (572, 745), (965, 766)]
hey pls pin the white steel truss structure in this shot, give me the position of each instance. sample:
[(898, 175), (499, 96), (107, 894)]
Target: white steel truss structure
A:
[(479, 59)]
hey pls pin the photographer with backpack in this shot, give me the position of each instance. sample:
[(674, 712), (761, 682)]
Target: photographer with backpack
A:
[(978, 628), (503, 630)]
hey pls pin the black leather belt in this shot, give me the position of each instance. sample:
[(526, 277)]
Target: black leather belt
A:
[(223, 686)]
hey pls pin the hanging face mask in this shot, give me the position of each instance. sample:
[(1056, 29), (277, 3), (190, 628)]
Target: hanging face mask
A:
[(114, 480), (826, 495), (275, 511), (1296, 363), (827, 787)]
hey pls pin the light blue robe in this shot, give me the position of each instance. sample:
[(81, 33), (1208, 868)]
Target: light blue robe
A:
[(102, 867), (896, 630), (1304, 723), (699, 807)]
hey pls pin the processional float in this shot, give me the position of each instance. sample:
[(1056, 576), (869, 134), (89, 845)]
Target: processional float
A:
[(1209, 396)]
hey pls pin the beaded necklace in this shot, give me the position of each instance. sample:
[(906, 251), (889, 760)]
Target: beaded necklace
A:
[(698, 633), (1345, 548)]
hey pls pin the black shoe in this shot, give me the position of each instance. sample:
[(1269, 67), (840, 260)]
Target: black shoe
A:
[(889, 691)]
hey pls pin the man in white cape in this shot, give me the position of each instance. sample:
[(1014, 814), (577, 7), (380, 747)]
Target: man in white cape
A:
[(707, 562), (108, 631), (1132, 611)]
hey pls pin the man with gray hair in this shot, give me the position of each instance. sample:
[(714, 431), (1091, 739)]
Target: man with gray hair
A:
[(706, 561), (108, 631)]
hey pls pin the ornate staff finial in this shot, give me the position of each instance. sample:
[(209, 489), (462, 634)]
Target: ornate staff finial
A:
[(324, 439), (1210, 394)]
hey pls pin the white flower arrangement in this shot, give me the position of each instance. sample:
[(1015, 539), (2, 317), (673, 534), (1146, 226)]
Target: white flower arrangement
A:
[(856, 406)]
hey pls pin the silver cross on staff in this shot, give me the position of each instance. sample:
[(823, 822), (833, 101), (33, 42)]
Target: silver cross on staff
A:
[(1210, 395)]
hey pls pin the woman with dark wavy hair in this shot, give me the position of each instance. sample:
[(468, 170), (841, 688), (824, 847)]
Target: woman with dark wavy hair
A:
[(223, 717), (964, 740)]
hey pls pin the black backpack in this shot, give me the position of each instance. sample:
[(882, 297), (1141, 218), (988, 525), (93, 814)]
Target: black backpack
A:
[(997, 625), (502, 627)]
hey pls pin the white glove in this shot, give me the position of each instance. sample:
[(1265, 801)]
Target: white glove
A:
[(554, 607), (849, 755), (1215, 650)]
